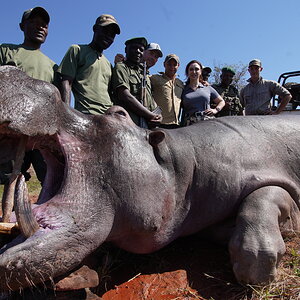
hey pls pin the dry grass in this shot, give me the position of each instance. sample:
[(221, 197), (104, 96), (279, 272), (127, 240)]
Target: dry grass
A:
[(208, 268), (33, 186)]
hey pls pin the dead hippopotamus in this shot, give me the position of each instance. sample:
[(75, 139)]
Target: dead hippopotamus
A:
[(109, 180)]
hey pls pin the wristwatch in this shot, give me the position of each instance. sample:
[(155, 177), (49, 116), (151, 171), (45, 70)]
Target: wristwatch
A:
[(218, 109)]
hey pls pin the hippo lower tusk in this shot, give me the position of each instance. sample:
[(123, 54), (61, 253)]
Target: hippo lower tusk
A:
[(8, 194), (27, 223), (8, 228)]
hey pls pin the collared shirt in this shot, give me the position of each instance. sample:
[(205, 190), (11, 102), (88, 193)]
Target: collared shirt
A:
[(31, 61), (91, 73), (198, 100), (167, 95), (130, 76), (256, 97), (230, 95)]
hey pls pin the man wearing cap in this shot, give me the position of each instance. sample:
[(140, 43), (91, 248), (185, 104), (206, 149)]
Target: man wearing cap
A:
[(167, 90), (86, 71), (229, 93), (29, 58), (257, 94), (206, 71), (151, 55), (132, 87)]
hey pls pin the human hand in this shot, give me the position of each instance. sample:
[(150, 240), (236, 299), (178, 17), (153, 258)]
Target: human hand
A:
[(211, 111), (157, 118), (119, 58)]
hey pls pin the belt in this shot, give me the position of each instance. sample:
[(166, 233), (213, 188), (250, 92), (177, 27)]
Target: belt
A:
[(198, 114)]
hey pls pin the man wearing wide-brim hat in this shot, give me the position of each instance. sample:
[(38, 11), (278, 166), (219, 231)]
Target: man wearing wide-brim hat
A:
[(87, 72), (132, 87), (257, 94)]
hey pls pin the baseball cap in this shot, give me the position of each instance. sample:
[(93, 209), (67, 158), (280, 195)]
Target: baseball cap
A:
[(228, 69), (105, 20), (172, 56), (154, 46), (255, 62), (207, 69), (137, 40), (36, 11)]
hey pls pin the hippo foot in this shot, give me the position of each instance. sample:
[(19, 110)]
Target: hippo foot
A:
[(256, 246)]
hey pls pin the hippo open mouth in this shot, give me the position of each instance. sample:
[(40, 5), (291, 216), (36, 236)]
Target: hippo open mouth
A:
[(59, 232), (79, 206)]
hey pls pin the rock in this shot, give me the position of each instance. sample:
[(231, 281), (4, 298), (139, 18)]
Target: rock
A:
[(79, 279), (169, 285)]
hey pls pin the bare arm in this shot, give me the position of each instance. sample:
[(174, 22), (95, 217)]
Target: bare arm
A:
[(283, 103), (133, 104), (65, 89), (220, 104)]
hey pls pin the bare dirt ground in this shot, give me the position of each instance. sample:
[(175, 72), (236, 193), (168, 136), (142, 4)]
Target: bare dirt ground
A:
[(208, 268)]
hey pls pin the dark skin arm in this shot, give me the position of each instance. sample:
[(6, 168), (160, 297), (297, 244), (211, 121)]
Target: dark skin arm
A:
[(133, 104), (66, 88)]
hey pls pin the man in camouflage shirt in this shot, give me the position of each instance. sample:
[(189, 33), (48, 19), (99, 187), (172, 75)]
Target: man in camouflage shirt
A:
[(229, 93), (129, 92)]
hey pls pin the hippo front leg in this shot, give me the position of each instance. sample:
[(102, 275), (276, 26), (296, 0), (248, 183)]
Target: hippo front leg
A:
[(256, 246)]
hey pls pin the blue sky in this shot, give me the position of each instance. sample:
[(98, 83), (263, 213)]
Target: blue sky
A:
[(214, 32)]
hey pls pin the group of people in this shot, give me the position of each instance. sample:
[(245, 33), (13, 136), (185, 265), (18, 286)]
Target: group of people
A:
[(160, 100)]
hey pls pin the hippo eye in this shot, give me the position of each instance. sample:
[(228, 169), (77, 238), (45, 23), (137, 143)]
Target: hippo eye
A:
[(121, 112)]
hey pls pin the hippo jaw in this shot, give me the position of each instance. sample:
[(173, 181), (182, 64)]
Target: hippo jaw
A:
[(67, 225), (59, 238), (65, 229)]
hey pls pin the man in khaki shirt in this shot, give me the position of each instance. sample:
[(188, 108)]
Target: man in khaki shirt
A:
[(257, 94), (167, 90)]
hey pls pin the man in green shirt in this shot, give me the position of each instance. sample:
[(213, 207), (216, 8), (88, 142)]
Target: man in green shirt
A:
[(29, 58), (86, 71), (132, 87)]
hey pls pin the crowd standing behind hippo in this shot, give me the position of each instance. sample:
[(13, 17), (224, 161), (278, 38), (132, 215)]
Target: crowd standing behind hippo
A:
[(160, 100)]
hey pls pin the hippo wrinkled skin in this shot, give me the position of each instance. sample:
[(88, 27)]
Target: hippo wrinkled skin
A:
[(109, 180)]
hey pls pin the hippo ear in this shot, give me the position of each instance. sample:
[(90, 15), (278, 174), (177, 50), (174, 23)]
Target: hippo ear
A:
[(160, 149), (156, 137)]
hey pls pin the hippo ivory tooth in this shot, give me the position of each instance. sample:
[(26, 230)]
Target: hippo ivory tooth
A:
[(8, 228), (27, 223), (8, 194)]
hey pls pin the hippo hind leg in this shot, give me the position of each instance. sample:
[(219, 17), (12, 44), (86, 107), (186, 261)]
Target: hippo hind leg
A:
[(256, 245)]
